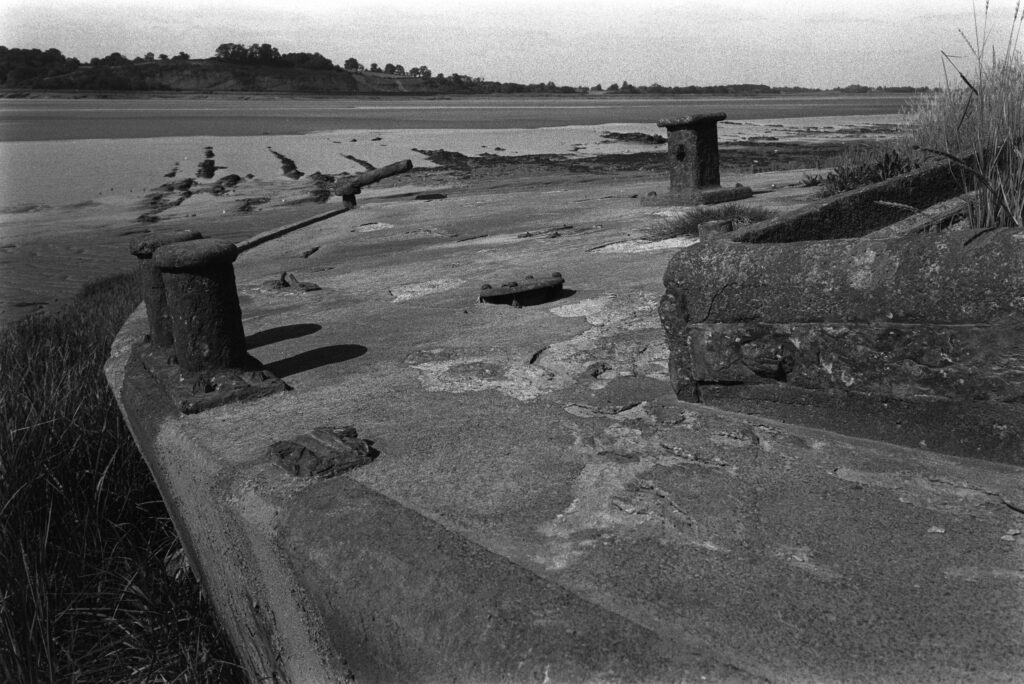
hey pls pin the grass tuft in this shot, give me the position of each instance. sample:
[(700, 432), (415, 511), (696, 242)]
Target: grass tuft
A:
[(686, 223), (977, 122), (862, 165), (84, 595)]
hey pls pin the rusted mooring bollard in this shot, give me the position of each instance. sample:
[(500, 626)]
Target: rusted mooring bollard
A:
[(206, 319), (693, 163), (153, 292), (348, 188)]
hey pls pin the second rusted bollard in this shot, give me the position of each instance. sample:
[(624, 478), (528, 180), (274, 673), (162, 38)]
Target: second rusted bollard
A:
[(693, 163), (153, 285), (206, 318)]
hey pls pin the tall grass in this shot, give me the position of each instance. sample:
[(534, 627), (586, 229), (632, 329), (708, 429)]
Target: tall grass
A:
[(84, 538), (977, 122)]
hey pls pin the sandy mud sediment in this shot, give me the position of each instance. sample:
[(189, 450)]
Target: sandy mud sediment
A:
[(49, 249)]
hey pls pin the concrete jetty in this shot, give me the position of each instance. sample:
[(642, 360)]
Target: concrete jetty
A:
[(534, 503)]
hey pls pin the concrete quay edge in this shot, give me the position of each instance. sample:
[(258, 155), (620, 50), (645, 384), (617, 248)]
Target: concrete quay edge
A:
[(541, 509), (394, 597)]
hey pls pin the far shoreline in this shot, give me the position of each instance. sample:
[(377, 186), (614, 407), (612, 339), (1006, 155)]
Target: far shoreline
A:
[(23, 94)]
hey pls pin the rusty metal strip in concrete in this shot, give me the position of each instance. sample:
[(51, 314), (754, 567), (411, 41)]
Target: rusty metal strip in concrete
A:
[(274, 233)]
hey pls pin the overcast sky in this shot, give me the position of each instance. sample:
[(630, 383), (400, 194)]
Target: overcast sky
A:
[(814, 43)]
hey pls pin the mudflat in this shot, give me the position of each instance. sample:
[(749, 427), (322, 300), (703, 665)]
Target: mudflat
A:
[(69, 207)]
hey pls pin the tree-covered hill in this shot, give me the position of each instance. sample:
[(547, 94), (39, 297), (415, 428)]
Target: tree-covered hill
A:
[(263, 68)]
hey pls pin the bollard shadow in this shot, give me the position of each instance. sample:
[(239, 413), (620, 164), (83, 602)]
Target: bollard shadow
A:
[(315, 358), (279, 334)]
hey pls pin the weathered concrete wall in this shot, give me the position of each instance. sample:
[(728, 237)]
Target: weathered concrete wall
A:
[(225, 536), (860, 211), (918, 279), (922, 321)]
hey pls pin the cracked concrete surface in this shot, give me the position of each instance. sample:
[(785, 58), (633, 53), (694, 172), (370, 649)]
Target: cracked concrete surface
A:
[(543, 504), (623, 341)]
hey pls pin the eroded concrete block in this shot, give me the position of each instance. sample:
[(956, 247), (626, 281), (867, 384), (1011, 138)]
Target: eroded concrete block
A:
[(903, 331)]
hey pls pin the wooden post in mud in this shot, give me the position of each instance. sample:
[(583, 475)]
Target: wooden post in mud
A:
[(348, 188)]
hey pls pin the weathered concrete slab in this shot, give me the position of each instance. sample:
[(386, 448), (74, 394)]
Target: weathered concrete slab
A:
[(917, 279), (420, 603), (921, 318), (542, 507)]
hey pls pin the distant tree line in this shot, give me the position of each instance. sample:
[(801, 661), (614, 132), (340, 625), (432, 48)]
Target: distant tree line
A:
[(353, 64), (19, 65), (25, 68), (117, 59)]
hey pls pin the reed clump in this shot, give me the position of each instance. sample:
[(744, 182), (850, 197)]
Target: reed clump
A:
[(977, 123), (861, 165), (86, 594)]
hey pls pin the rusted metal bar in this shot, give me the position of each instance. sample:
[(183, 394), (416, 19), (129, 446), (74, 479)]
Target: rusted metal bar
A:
[(348, 188)]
